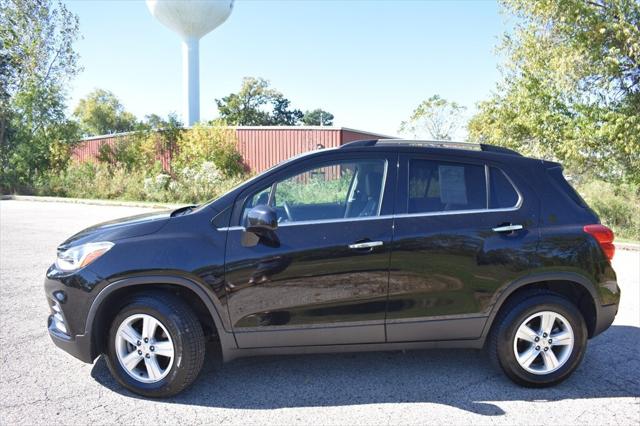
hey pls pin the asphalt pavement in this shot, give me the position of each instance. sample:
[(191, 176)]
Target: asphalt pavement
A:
[(40, 384)]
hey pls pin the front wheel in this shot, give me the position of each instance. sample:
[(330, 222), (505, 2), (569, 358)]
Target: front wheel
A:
[(156, 346), (539, 340)]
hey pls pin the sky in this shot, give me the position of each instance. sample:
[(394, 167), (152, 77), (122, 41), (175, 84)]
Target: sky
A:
[(370, 63)]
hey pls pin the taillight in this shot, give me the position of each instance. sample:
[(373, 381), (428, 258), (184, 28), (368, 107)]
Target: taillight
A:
[(604, 236)]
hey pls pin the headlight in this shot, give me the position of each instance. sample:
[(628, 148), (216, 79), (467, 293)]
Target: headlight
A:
[(80, 256)]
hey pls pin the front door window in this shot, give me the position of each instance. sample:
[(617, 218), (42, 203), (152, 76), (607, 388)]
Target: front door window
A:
[(348, 189)]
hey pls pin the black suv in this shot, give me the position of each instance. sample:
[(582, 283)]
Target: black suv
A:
[(376, 245)]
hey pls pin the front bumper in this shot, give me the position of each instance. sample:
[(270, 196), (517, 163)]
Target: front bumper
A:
[(78, 346), (69, 298)]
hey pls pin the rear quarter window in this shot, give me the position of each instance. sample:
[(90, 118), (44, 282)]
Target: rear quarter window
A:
[(503, 195), (559, 180)]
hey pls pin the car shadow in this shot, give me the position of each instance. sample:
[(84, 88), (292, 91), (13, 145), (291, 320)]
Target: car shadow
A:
[(458, 378)]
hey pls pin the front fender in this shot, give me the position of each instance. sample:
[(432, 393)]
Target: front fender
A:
[(227, 340)]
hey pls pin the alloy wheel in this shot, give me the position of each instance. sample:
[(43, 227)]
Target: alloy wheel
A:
[(543, 342), (144, 348)]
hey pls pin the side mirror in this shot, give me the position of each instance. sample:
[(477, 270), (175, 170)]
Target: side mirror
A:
[(262, 220)]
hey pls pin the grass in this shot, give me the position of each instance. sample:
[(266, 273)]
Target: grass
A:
[(617, 205)]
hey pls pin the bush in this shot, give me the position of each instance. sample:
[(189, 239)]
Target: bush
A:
[(126, 152), (215, 144), (205, 164), (617, 205), (90, 180), (103, 181), (200, 183)]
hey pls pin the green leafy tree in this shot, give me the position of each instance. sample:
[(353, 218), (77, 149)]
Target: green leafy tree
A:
[(154, 121), (142, 149), (101, 112), (257, 104), (317, 117), (571, 86), (282, 115), (162, 136), (37, 60), (246, 108), (7, 76), (435, 118), (125, 153)]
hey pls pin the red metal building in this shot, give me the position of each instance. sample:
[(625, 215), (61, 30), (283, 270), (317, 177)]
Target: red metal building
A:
[(261, 146)]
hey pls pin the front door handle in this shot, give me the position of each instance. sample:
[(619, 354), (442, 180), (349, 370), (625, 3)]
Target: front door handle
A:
[(365, 245), (508, 228)]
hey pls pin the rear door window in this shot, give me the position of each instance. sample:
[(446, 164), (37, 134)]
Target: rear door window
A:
[(439, 186)]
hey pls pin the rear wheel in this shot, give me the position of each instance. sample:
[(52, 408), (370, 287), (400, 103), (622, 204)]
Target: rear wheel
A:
[(156, 346), (538, 340)]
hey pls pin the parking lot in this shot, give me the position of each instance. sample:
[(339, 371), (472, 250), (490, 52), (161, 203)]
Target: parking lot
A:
[(40, 384)]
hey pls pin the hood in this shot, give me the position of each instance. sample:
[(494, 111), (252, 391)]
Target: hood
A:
[(132, 226)]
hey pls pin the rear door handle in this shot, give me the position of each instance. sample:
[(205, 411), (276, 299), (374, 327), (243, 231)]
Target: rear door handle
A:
[(508, 228), (364, 245)]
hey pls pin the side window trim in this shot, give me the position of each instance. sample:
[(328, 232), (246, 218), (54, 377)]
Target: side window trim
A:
[(407, 160), (337, 220), (319, 221), (487, 183), (272, 192), (383, 186)]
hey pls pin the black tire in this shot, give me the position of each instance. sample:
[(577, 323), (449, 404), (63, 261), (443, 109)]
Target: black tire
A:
[(185, 332), (500, 345)]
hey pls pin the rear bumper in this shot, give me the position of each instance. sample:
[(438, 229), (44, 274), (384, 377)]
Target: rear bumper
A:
[(605, 318), (78, 346)]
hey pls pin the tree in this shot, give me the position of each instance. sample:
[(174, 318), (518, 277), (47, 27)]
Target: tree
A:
[(37, 60), (101, 112), (317, 117), (571, 86), (282, 115), (436, 118), (154, 121), (256, 104), (162, 135), (245, 108)]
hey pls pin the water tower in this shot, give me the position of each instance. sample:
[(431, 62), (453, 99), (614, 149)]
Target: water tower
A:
[(191, 19)]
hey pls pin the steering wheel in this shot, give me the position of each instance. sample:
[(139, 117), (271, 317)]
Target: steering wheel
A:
[(287, 210)]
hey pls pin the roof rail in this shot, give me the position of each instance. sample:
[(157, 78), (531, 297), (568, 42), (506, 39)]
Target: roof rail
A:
[(359, 143), (431, 144), (499, 149)]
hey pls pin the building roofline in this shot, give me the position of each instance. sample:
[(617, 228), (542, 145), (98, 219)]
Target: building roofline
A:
[(331, 128), (334, 128), (108, 135)]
